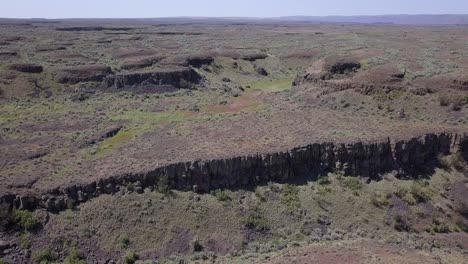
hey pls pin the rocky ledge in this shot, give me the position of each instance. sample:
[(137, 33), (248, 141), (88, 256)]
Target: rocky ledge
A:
[(411, 159)]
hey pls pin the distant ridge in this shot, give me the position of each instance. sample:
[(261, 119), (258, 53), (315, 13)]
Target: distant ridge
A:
[(423, 19), (387, 19)]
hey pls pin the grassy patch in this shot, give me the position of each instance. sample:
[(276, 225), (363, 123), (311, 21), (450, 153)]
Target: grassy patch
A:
[(324, 180), (420, 192), (25, 220), (116, 141), (454, 161), (291, 197), (352, 183), (142, 117), (256, 221), (44, 256), (271, 85), (75, 257), (131, 258), (380, 199), (222, 196)]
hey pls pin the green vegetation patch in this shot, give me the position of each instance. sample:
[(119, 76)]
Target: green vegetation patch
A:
[(116, 141), (291, 197), (25, 220), (256, 221), (271, 85), (221, 195), (44, 256)]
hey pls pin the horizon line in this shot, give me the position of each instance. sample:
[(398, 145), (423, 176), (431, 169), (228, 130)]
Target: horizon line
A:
[(240, 17)]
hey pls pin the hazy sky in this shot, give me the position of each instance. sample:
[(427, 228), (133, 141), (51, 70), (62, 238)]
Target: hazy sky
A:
[(219, 8)]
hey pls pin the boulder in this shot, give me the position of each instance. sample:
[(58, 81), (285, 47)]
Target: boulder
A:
[(262, 71), (26, 67)]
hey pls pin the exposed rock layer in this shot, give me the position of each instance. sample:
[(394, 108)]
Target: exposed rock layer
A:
[(181, 78), (410, 159)]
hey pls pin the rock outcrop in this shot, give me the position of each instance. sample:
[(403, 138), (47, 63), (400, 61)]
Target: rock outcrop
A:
[(26, 67), (410, 159), (177, 77), (86, 73), (338, 74)]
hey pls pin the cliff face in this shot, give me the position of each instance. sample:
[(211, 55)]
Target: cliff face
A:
[(411, 159), (180, 78)]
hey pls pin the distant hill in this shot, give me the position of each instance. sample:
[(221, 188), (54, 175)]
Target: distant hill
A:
[(386, 19), (382, 19)]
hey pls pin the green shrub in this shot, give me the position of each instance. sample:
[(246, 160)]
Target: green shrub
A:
[(256, 222), (131, 187), (352, 183), (444, 100), (25, 220), (463, 210), (463, 225), (380, 199), (420, 192), (401, 223), (75, 257), (44, 256), (323, 180), (2, 261), (454, 161), (291, 197), (441, 228), (163, 184), (260, 195), (401, 192), (274, 187), (125, 241), (131, 258), (197, 246), (25, 241), (222, 196)]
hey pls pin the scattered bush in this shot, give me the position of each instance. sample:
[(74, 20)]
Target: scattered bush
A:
[(401, 192), (463, 210), (456, 106), (274, 187), (352, 183), (256, 222), (75, 257), (25, 220), (444, 100), (323, 180), (163, 184), (197, 246), (380, 199), (409, 200), (125, 241), (291, 197), (25, 241), (260, 195), (44, 256), (401, 224), (131, 258), (222, 196), (455, 161), (439, 226), (420, 193), (463, 225)]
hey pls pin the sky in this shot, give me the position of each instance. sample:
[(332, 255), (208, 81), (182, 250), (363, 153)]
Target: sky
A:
[(222, 8)]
